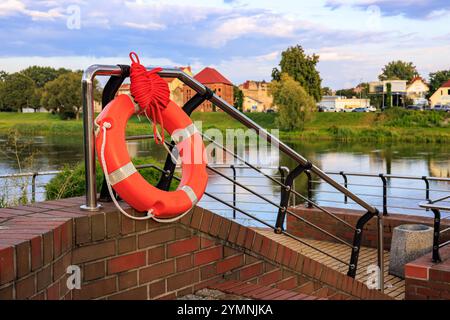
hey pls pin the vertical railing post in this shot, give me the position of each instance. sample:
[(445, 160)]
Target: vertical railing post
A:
[(234, 190), (436, 232), (384, 180), (87, 92), (344, 176), (309, 187), (33, 187), (380, 249), (427, 190), (357, 239), (285, 194)]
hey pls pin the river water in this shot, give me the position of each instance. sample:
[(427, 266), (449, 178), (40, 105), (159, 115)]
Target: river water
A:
[(52, 153)]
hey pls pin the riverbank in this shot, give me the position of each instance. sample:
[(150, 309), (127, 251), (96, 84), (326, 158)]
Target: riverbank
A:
[(405, 126)]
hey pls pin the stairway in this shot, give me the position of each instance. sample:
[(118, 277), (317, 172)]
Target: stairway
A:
[(259, 292), (394, 286)]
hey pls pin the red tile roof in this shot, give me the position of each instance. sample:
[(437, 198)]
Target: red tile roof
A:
[(415, 79), (446, 84), (211, 75)]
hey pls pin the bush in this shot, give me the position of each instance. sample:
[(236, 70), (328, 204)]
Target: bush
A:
[(400, 117), (70, 182)]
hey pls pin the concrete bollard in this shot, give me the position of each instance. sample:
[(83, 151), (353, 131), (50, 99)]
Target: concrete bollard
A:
[(409, 242)]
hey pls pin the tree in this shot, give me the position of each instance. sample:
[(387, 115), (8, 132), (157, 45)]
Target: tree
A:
[(326, 91), (17, 92), (42, 75), (294, 103), (63, 95), (388, 95), (301, 68), (238, 98), (348, 93), (3, 75), (398, 70), (437, 79)]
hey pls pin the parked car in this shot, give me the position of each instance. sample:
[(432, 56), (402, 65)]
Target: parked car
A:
[(347, 110), (415, 107), (439, 107), (372, 109), (360, 110), (327, 109), (270, 111)]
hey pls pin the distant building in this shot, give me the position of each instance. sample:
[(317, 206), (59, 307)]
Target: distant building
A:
[(31, 110), (216, 82), (442, 95), (256, 96), (253, 105), (176, 87), (180, 93), (341, 103), (416, 90), (398, 90)]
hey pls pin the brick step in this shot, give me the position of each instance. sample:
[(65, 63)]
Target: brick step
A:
[(259, 292)]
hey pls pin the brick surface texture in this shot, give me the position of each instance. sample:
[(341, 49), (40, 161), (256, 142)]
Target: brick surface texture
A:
[(124, 259)]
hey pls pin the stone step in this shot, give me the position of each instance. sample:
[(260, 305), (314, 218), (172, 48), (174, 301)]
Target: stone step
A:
[(259, 292)]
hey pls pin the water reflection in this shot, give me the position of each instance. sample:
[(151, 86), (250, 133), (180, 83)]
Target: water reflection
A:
[(52, 153)]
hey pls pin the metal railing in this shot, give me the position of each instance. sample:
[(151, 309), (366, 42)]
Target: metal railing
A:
[(119, 73), (436, 206), (385, 185), (33, 182)]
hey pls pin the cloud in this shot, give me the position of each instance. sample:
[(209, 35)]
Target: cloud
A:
[(44, 15), (14, 64), (8, 7), (145, 26), (416, 9)]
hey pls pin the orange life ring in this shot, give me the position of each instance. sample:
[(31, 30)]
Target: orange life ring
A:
[(127, 181)]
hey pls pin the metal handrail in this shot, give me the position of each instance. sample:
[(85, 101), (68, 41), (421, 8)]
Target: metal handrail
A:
[(122, 71), (249, 215), (436, 209), (88, 121)]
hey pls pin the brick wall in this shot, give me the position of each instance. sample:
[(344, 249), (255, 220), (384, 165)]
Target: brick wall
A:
[(427, 280), (124, 259), (325, 221)]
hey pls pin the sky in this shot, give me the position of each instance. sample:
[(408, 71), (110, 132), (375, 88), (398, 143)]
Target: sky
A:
[(243, 39)]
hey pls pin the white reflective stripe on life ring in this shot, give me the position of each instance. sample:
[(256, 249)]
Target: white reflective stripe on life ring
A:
[(180, 135), (122, 173), (190, 193)]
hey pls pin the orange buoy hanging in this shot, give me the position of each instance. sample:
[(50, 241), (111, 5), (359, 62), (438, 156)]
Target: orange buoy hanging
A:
[(152, 95)]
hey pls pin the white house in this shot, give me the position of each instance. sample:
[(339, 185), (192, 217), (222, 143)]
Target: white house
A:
[(417, 90), (342, 103), (442, 95)]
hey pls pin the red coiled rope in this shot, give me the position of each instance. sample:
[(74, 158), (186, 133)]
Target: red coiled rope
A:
[(150, 91)]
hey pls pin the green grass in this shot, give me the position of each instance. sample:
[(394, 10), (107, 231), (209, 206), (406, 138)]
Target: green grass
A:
[(393, 125)]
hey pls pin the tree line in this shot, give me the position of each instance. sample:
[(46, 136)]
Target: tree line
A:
[(57, 90), (397, 70)]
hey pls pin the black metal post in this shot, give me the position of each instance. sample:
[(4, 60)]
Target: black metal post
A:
[(384, 180), (357, 238), (427, 190), (169, 166), (285, 193), (345, 184), (234, 191), (33, 187), (309, 187), (436, 232)]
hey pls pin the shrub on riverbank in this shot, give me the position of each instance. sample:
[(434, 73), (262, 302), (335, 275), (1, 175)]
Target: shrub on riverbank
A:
[(399, 117), (70, 182)]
